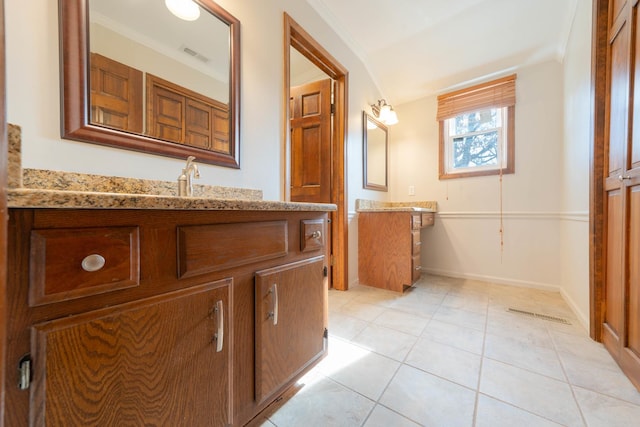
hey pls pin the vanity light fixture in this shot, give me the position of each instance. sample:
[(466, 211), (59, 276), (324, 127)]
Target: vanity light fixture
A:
[(187, 10), (384, 112)]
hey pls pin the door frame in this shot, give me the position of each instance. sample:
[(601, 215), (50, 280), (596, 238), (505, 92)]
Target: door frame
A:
[(4, 216), (598, 160), (295, 36)]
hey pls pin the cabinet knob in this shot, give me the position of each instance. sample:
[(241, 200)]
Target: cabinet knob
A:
[(316, 234), (93, 262)]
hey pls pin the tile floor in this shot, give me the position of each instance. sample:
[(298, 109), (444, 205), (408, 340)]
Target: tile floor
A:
[(448, 353)]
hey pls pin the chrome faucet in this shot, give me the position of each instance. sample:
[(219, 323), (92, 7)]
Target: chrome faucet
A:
[(185, 188)]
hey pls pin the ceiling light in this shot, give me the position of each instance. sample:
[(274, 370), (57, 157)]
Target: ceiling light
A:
[(384, 112), (183, 9)]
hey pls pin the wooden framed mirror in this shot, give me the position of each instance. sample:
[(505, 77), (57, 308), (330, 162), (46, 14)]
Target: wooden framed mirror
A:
[(375, 152), (135, 76)]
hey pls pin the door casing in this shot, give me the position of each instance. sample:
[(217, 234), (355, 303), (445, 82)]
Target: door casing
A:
[(295, 36)]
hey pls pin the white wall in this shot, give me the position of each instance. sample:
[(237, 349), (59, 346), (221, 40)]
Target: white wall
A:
[(545, 203), (33, 102), (465, 240), (577, 126)]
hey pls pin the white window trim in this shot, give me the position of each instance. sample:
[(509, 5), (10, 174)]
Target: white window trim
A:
[(502, 146)]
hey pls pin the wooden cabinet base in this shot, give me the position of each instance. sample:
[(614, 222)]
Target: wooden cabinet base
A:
[(186, 344), (389, 248)]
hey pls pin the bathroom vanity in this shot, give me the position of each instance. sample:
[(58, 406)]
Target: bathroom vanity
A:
[(389, 242), (135, 309)]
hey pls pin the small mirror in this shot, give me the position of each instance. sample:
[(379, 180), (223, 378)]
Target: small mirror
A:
[(375, 146), (137, 76)]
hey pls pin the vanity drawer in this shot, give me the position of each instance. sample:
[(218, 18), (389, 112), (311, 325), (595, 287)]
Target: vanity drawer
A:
[(416, 243), (311, 234), (77, 262), (416, 268), (416, 222), (427, 219)]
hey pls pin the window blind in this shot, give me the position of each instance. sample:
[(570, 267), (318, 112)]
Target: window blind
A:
[(494, 94)]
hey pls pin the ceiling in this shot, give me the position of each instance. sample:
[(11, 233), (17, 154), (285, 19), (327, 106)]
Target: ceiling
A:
[(416, 48)]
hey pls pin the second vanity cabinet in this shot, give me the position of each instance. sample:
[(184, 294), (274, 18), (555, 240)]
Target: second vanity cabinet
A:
[(389, 247), (160, 317)]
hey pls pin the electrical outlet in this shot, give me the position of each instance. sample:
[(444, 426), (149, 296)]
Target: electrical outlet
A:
[(412, 190)]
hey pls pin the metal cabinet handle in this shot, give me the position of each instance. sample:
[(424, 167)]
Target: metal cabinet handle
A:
[(93, 262), (219, 337), (622, 178), (274, 312)]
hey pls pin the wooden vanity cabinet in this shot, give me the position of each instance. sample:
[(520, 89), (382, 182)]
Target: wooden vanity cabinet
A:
[(166, 332), (289, 304), (389, 248)]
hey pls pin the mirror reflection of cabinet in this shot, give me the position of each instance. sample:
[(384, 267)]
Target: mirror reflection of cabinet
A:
[(116, 94), (375, 153), (202, 56)]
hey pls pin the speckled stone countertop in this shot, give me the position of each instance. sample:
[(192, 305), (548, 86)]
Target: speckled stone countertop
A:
[(363, 205), (36, 188)]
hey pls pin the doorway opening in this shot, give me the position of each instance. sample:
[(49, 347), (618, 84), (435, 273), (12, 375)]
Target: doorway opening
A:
[(297, 38)]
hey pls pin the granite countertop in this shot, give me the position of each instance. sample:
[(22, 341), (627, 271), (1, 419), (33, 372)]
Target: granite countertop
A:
[(38, 188), (39, 198), (363, 205)]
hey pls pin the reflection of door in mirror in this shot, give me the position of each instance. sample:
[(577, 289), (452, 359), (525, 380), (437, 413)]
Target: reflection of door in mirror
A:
[(375, 146), (192, 58)]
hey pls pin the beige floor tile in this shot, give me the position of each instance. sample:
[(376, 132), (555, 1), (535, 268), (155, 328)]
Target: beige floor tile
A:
[(531, 331), (323, 403), (519, 353), (344, 326), (338, 298), (384, 417), (493, 413), (544, 396), (385, 341), (456, 336), (429, 400), (366, 312), (470, 302), (603, 411), (403, 322), (604, 378), (468, 319), (358, 369), (581, 346), (450, 363)]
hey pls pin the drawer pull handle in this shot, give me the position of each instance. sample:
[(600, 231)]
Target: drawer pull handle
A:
[(316, 234), (274, 314), (219, 337), (93, 262)]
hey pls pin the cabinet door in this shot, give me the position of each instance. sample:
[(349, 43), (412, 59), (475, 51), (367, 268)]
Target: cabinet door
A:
[(160, 361), (116, 94), (290, 328)]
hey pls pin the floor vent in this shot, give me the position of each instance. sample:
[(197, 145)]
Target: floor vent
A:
[(539, 316)]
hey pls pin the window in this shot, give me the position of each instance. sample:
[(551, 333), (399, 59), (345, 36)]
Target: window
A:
[(477, 130)]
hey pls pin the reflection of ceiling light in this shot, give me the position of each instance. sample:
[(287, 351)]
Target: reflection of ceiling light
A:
[(183, 9), (384, 112)]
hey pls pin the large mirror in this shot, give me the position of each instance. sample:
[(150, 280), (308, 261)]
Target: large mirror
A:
[(375, 149), (138, 77)]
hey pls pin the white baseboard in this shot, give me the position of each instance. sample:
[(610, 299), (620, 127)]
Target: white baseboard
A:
[(582, 317), (493, 279)]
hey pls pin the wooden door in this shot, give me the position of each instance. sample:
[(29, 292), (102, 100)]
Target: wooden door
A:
[(116, 94), (289, 323), (162, 361), (311, 142), (621, 320)]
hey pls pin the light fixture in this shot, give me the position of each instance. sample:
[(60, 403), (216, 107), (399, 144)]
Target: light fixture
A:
[(384, 112), (183, 9)]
